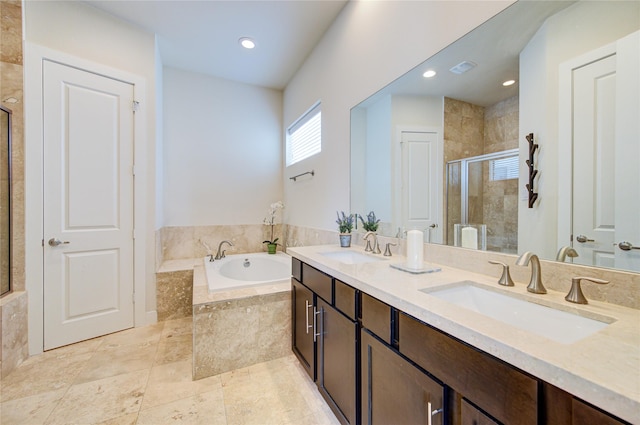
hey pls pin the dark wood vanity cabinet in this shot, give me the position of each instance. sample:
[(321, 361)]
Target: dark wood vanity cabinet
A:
[(326, 337), (394, 391), (337, 357), (374, 364), (500, 390), (302, 339)]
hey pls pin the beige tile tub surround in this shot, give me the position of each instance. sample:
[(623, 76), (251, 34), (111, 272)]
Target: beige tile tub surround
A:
[(184, 242), (238, 328), (174, 289), (13, 313)]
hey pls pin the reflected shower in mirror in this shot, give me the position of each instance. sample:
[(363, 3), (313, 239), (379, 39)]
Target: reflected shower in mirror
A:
[(409, 139), (5, 200)]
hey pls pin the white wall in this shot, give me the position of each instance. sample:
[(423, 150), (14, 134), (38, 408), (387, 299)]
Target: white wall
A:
[(369, 45), (222, 150), (580, 28)]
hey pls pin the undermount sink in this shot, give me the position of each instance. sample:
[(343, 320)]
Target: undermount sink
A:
[(351, 257), (558, 325)]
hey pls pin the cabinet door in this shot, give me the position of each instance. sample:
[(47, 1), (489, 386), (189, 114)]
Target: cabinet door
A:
[(472, 416), (394, 391), (302, 327), (337, 362)]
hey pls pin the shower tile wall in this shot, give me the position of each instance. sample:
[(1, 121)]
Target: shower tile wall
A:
[(471, 130), (13, 337), (463, 137), (500, 211)]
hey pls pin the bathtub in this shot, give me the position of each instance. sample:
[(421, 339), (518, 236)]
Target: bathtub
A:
[(246, 270)]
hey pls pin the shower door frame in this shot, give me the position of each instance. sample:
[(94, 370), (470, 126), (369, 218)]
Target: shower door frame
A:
[(464, 183)]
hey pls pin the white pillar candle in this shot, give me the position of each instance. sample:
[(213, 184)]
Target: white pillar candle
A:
[(415, 249), (470, 237)]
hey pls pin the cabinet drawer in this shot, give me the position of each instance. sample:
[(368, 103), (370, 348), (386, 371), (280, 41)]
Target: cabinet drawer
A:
[(584, 414), (318, 282), (505, 393), (345, 299), (296, 269), (376, 316)]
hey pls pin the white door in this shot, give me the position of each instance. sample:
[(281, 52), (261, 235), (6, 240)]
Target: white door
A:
[(606, 154), (594, 112), (421, 177), (627, 177), (88, 205)]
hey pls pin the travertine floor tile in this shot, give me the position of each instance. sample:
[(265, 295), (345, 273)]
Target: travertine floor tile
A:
[(112, 362), (101, 400), (144, 376), (30, 410), (171, 382), (173, 351), (141, 337), (38, 376), (201, 409), (178, 330)]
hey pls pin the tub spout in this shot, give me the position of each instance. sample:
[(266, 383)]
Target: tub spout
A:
[(220, 255)]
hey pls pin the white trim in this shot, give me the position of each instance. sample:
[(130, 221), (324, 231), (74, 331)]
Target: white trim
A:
[(34, 274), (565, 137)]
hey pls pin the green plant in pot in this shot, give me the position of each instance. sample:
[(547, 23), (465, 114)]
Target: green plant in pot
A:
[(270, 220), (345, 225), (371, 225)]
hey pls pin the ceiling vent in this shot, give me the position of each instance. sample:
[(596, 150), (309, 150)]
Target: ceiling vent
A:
[(463, 67)]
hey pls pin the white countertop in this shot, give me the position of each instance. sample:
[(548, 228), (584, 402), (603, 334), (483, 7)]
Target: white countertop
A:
[(602, 369)]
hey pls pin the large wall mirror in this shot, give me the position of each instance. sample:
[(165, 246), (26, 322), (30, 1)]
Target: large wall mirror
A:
[(447, 154), (5, 200)]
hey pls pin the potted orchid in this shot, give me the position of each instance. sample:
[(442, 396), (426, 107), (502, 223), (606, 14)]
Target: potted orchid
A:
[(270, 220), (345, 225)]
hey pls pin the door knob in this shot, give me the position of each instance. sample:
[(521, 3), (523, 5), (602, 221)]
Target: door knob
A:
[(627, 246), (56, 242), (434, 225), (583, 239)]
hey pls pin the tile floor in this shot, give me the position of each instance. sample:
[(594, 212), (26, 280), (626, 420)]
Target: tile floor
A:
[(143, 376)]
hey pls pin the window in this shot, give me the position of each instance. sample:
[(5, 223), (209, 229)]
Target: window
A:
[(503, 168), (304, 137)]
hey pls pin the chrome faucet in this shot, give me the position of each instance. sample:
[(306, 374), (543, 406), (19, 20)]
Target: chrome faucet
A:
[(535, 284), (220, 255), (375, 249), (564, 252)]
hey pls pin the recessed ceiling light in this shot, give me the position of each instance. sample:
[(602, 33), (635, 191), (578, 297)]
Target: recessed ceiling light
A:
[(429, 74), (509, 83), (247, 43)]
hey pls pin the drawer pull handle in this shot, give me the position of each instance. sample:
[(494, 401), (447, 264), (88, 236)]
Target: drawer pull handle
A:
[(306, 315), (315, 324), (432, 413)]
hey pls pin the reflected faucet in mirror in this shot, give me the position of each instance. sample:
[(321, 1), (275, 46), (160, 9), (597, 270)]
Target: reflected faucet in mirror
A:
[(564, 252)]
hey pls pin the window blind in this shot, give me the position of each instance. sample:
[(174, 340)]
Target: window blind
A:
[(304, 137)]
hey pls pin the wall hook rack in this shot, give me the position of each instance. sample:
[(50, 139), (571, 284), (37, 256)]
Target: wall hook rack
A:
[(312, 172), (533, 196)]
